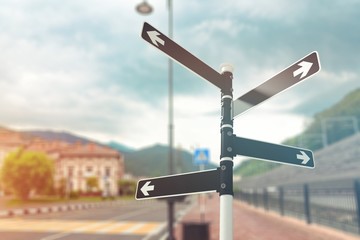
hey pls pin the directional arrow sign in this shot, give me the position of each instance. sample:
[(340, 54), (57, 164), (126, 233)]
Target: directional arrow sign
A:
[(297, 72), (274, 152), (179, 184), (179, 54)]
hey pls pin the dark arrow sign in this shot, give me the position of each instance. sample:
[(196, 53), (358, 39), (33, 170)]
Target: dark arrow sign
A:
[(180, 184), (179, 54), (299, 71), (273, 152)]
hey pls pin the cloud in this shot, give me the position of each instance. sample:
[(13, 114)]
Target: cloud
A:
[(81, 66)]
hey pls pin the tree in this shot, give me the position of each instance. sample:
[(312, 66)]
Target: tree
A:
[(126, 187), (26, 171), (92, 183)]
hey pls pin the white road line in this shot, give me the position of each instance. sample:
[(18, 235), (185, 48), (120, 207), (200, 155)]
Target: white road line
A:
[(133, 228), (155, 232), (111, 227), (120, 217)]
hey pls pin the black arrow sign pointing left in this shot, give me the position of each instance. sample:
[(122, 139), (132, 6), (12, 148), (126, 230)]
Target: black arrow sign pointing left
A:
[(179, 54), (179, 184)]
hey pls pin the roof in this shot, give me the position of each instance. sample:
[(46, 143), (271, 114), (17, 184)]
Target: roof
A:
[(46, 146), (11, 138), (90, 149)]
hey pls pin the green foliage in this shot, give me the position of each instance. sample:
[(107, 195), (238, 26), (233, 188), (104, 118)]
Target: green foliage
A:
[(312, 137), (74, 195), (127, 187), (26, 171), (336, 130), (61, 188), (92, 183)]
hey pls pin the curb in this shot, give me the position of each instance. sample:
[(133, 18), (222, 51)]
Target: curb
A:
[(53, 209)]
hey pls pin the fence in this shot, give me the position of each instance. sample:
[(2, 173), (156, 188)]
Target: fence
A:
[(335, 204)]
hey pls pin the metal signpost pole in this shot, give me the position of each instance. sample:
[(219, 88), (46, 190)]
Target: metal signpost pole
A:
[(226, 157), (171, 202)]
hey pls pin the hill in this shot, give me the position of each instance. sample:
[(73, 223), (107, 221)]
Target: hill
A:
[(153, 161), (59, 136), (328, 127), (331, 125), (120, 147)]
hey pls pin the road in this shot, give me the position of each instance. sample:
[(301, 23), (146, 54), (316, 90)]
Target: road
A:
[(130, 220)]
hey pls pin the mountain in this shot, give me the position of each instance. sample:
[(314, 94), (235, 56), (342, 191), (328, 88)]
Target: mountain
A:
[(72, 138), (331, 125), (60, 136), (120, 147), (328, 127), (153, 161)]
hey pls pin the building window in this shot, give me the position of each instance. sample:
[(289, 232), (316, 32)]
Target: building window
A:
[(107, 171), (89, 169), (70, 171)]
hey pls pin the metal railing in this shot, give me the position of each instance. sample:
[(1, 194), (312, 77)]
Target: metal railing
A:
[(332, 204)]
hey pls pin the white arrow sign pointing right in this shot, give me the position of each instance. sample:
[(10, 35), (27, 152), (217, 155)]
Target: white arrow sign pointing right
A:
[(303, 156), (305, 68), (146, 188)]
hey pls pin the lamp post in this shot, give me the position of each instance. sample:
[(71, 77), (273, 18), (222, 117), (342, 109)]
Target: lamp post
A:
[(144, 8), (325, 121)]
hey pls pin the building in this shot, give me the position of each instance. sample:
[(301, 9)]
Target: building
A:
[(74, 163), (79, 162)]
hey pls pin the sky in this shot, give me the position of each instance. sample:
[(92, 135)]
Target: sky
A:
[(81, 66)]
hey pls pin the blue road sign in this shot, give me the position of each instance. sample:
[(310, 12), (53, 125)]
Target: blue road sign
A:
[(201, 156)]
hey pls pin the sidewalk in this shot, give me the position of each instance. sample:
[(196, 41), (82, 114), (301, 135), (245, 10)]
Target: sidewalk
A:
[(256, 224)]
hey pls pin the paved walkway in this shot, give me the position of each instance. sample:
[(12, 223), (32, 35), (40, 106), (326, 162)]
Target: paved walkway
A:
[(256, 224)]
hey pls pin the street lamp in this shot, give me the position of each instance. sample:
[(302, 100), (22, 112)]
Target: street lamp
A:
[(325, 121), (144, 8)]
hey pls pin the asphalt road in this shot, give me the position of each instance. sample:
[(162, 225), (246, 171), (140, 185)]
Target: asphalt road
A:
[(131, 220)]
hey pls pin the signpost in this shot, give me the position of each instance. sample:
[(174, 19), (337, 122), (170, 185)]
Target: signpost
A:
[(297, 72), (178, 185), (274, 152), (180, 55), (221, 179)]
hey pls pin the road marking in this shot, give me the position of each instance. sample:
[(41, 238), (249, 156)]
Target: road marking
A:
[(148, 227), (133, 228), (67, 227)]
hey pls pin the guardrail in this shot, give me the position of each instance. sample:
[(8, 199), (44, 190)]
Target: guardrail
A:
[(331, 204)]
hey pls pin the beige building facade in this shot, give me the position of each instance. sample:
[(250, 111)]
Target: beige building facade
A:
[(74, 163)]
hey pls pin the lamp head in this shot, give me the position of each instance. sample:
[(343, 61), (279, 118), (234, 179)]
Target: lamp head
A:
[(144, 8)]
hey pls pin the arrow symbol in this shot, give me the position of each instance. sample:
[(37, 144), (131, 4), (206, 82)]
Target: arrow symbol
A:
[(303, 156), (305, 67), (153, 35), (146, 188)]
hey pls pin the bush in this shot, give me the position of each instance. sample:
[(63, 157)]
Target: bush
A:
[(74, 195)]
